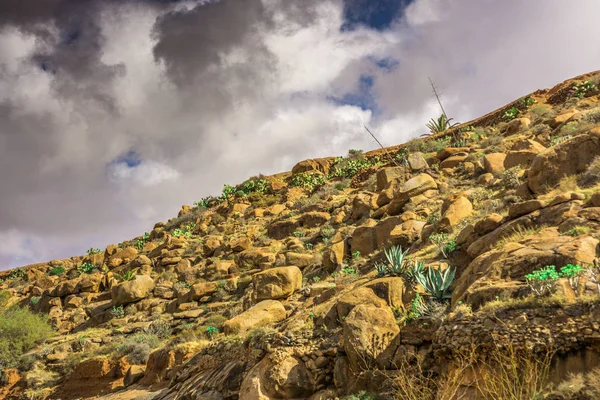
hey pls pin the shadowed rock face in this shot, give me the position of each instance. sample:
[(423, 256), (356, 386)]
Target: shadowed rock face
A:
[(283, 290)]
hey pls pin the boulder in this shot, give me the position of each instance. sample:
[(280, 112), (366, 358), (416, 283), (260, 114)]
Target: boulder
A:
[(413, 187), (270, 379), (488, 223), (277, 283), (313, 219), (390, 289), (334, 255), (456, 212), (134, 375), (387, 176), (257, 257), (516, 125), (368, 334), (417, 162), (568, 158), (519, 209), (453, 161), (494, 163), (128, 292), (361, 295), (264, 313), (318, 164), (282, 229), (451, 151)]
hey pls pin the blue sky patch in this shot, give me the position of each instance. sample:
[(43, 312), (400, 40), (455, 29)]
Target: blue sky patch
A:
[(362, 97), (131, 159), (375, 14)]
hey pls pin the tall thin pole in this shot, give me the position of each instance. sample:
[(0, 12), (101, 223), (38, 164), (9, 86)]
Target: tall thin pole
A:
[(437, 96), (380, 145)]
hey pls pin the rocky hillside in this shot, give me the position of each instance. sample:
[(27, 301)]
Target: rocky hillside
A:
[(462, 265)]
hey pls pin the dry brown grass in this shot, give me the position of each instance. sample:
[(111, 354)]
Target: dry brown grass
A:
[(512, 373), (580, 386), (519, 233)]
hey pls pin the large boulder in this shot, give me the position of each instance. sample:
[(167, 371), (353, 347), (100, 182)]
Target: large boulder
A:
[(417, 162), (368, 333), (277, 283), (360, 295), (455, 212), (128, 292), (374, 235), (494, 163), (413, 187), (318, 164), (386, 177), (569, 158), (272, 379), (264, 313), (256, 257)]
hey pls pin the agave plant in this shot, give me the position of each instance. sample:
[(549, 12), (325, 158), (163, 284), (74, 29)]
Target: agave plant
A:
[(437, 282), (442, 124), (128, 275), (417, 269), (396, 259)]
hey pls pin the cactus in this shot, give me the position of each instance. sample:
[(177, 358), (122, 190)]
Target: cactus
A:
[(437, 282)]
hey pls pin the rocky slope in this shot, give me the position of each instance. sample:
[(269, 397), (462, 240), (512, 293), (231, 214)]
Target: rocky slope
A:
[(271, 291)]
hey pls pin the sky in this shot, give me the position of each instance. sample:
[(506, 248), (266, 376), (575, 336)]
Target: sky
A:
[(115, 113)]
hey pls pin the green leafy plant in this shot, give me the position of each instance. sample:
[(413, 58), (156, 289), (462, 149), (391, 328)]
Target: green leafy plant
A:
[(86, 268), (118, 312), (527, 101), (440, 125), (436, 282), (56, 271), (17, 274), (417, 308), (542, 282), (573, 273), (511, 114), (93, 251), (211, 331), (580, 89), (298, 234), (308, 180), (356, 255), (128, 275), (397, 263), (443, 242), (20, 331), (228, 191)]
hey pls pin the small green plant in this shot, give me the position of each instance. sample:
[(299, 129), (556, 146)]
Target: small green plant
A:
[(542, 282), (309, 246), (178, 233), (17, 274), (298, 234), (126, 276), (118, 312), (211, 331), (417, 309), (93, 251), (440, 125), (510, 178), (580, 89), (308, 180), (327, 231), (356, 255), (433, 218), (206, 202), (510, 114), (86, 268), (444, 243), (527, 101), (228, 191), (56, 271), (436, 282), (556, 140), (34, 300), (573, 273), (397, 262)]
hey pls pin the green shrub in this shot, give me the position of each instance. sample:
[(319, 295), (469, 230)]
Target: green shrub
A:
[(18, 274), (327, 231), (542, 282), (86, 268), (211, 331), (128, 275), (118, 312), (444, 243), (510, 114), (20, 331), (308, 180), (581, 88), (510, 178), (56, 271), (437, 283), (94, 251)]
